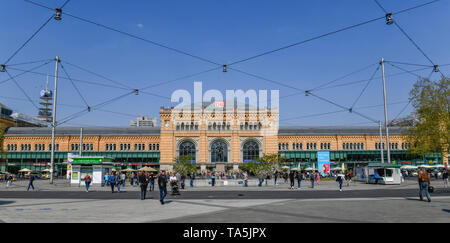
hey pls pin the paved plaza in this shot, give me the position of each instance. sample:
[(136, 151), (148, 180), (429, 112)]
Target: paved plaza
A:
[(357, 203)]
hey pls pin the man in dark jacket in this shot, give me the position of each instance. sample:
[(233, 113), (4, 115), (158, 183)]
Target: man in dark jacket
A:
[(162, 184), (151, 180), (312, 178), (144, 183), (299, 179), (292, 178), (30, 182)]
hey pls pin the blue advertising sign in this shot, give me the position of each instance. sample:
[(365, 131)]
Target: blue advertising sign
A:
[(323, 159)]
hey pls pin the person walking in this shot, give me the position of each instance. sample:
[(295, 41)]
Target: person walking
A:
[(317, 178), (132, 176), (260, 178), (245, 179), (192, 177), (346, 177), (291, 179), (107, 179), (123, 178), (213, 179), (31, 178), (162, 184), (424, 182), (144, 183), (340, 179), (275, 177), (178, 176), (285, 177), (9, 180), (445, 178), (87, 181), (112, 181), (118, 181), (312, 179), (299, 179), (376, 176), (151, 180), (183, 179)]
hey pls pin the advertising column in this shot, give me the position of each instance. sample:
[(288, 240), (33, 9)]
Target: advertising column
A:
[(323, 159)]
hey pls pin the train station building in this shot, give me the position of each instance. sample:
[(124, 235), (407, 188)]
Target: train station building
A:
[(215, 139)]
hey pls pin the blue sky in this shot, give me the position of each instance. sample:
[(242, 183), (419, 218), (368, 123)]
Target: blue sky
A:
[(222, 31)]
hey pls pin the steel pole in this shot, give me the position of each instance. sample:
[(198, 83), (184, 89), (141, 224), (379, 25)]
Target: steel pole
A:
[(52, 154), (386, 125), (381, 143), (81, 141)]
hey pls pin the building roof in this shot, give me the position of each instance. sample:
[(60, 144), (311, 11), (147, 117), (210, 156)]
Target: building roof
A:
[(337, 130), (155, 131), (87, 131)]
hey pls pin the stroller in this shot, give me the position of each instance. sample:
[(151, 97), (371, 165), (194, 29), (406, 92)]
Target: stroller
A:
[(175, 189)]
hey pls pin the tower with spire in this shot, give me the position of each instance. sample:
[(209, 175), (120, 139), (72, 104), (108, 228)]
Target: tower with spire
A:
[(45, 113)]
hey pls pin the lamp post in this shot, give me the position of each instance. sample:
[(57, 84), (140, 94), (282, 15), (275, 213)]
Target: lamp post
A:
[(52, 155), (386, 115)]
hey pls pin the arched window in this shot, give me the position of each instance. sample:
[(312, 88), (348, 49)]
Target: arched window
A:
[(187, 148), (219, 152), (250, 151)]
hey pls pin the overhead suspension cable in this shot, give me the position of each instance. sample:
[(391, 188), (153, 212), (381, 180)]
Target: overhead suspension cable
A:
[(345, 76), (307, 92), (33, 35), (356, 82), (327, 34), (409, 37), (84, 111), (410, 72), (365, 87), (21, 89), (29, 39), (410, 64), (131, 35), (31, 62), (155, 95), (180, 78), (75, 80), (73, 84), (268, 80), (401, 111), (24, 71), (340, 111), (98, 75)]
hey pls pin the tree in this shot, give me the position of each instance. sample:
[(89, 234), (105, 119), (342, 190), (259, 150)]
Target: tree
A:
[(264, 165), (431, 132), (184, 166)]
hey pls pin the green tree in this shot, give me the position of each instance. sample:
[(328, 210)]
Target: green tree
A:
[(264, 165), (184, 166), (431, 131)]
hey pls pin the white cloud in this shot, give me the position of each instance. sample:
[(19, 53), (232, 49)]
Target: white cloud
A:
[(140, 26)]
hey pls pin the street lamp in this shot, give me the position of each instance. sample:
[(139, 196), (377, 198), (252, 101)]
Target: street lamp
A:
[(58, 13), (389, 19)]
